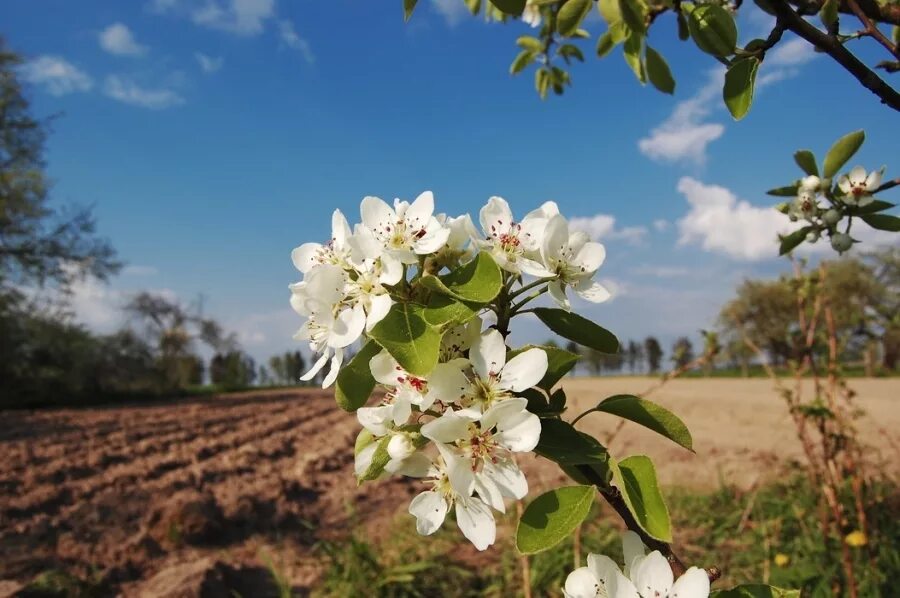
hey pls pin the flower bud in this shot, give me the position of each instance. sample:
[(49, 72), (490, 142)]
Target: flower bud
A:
[(400, 447), (810, 183), (831, 217), (813, 236), (841, 242)]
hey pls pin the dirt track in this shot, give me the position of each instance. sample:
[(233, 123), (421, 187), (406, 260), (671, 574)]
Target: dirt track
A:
[(190, 496)]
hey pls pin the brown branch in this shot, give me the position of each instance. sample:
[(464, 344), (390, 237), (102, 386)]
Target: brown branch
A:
[(888, 14), (872, 30), (887, 185), (831, 46)]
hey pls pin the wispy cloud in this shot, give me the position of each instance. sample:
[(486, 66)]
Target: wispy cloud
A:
[(602, 227), (292, 40), (453, 11), (119, 40), (128, 92), (57, 75), (684, 135), (209, 64), (240, 17)]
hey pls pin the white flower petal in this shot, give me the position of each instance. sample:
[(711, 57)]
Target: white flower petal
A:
[(581, 583), (378, 217), (524, 370), (391, 270), (652, 575), (476, 522), (318, 365), (591, 290), (694, 583), (386, 370), (857, 176), (619, 586), (340, 229), (419, 212), (334, 369), (533, 268), (432, 240), (363, 459), (400, 447), (446, 384), (364, 245), (632, 548), (558, 291), (603, 567), (502, 411), (488, 354), (347, 327), (590, 257), (844, 184), (556, 240), (429, 508), (304, 257), (402, 408), (379, 306), (508, 477), (416, 465), (374, 419), (489, 492), (447, 428), (521, 433), (873, 181), (496, 218)]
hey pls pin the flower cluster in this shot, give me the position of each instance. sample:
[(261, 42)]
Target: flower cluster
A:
[(823, 208), (459, 425), (644, 576)]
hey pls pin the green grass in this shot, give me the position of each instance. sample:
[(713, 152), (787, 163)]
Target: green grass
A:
[(740, 532)]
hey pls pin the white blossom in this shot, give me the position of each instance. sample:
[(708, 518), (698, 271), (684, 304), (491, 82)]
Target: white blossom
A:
[(407, 230), (858, 186), (510, 242), (573, 259), (335, 252)]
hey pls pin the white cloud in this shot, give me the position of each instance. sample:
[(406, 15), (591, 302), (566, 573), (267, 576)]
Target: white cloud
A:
[(603, 227), (209, 64), (794, 52), (128, 92), (289, 38), (684, 135), (241, 17), (660, 225), (56, 75), (138, 270), (117, 39), (453, 11), (722, 223), (662, 271)]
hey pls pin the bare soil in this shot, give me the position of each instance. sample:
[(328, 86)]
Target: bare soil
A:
[(196, 497)]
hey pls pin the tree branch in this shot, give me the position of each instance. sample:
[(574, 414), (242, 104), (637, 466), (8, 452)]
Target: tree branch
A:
[(887, 185), (872, 30), (831, 46), (888, 14)]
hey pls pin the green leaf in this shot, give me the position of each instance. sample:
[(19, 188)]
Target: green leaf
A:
[(610, 11), (526, 42), (829, 13), (542, 81), (570, 16), (552, 516), (882, 222), (684, 33), (355, 383), (474, 6), (740, 79), (605, 44), (872, 208), (380, 458), (363, 439), (658, 72), (807, 162), (408, 7), (790, 241), (713, 29), (842, 150), (577, 328), (510, 7), (523, 59), (634, 15), (755, 591), (479, 281), (632, 53), (570, 51), (648, 414), (789, 191), (636, 479), (409, 338), (563, 444), (442, 309), (559, 363)]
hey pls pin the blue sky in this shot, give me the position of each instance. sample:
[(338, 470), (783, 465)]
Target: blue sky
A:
[(213, 136)]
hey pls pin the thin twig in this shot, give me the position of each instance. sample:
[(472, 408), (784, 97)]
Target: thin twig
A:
[(872, 29)]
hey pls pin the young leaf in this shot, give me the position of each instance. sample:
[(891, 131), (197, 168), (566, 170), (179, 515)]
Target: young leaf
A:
[(633, 15), (408, 7), (552, 516), (408, 338), (559, 363), (380, 458), (789, 191), (872, 208), (755, 591), (740, 80), (355, 383), (829, 13), (807, 162), (632, 53), (570, 16), (510, 7), (610, 11), (648, 414), (790, 241), (474, 6), (577, 328), (842, 150), (479, 281), (713, 29), (605, 44), (882, 222), (563, 444), (442, 309), (636, 479), (658, 72), (527, 42), (523, 59)]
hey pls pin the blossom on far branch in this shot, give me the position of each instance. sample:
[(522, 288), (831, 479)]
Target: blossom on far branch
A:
[(858, 186), (644, 576)]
